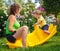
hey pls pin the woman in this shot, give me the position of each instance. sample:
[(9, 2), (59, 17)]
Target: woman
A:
[(13, 31)]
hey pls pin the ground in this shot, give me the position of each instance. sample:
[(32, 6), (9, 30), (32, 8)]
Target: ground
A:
[(52, 44)]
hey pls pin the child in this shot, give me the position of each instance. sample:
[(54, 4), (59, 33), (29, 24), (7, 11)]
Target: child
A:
[(40, 21)]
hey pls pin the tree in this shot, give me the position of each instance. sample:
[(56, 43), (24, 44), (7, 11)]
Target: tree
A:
[(52, 6)]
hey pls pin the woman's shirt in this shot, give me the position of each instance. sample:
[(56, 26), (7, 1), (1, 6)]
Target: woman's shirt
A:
[(16, 25)]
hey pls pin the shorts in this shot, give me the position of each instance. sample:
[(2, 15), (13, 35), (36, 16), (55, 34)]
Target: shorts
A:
[(45, 27), (10, 37)]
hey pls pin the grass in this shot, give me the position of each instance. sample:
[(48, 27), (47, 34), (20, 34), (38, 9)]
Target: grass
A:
[(52, 44)]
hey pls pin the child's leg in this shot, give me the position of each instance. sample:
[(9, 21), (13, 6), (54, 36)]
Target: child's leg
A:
[(46, 31), (45, 28)]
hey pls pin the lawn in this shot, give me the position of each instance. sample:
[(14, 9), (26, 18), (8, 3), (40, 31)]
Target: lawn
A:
[(52, 44)]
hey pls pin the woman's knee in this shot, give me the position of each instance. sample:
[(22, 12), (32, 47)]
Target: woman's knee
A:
[(25, 28)]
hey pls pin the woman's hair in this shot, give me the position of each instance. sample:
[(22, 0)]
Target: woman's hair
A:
[(13, 8)]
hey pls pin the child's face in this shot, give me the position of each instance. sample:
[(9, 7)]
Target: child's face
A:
[(36, 15)]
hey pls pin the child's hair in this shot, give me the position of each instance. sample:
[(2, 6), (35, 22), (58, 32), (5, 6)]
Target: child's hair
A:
[(41, 9), (13, 8), (38, 11)]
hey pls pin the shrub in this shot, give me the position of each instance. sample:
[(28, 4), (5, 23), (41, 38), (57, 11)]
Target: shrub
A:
[(52, 6)]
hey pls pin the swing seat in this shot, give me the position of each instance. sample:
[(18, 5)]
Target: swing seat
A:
[(37, 37)]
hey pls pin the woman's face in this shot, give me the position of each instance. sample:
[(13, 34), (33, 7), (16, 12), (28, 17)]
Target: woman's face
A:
[(18, 11)]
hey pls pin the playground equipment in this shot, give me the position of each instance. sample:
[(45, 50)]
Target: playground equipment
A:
[(37, 37)]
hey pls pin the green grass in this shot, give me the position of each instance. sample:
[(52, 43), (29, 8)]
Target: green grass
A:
[(52, 44)]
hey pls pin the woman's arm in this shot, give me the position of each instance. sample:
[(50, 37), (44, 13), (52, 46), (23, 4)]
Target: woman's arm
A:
[(11, 22)]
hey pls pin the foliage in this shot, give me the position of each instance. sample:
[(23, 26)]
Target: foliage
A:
[(3, 17), (52, 6)]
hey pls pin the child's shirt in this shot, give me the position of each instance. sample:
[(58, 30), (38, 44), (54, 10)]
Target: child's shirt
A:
[(42, 21)]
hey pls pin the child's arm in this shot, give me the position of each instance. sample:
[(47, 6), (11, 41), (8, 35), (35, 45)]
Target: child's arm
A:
[(37, 23), (40, 20)]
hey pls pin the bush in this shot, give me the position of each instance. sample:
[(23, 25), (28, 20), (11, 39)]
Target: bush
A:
[(3, 18), (52, 6)]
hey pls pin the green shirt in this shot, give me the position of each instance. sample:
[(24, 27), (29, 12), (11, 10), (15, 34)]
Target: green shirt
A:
[(16, 25)]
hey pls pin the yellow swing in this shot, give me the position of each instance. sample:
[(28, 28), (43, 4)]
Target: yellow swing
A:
[(37, 37)]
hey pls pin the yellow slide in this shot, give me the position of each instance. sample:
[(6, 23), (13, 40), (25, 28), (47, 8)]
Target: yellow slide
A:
[(37, 37)]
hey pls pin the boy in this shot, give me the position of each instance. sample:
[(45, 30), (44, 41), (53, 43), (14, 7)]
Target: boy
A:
[(40, 21)]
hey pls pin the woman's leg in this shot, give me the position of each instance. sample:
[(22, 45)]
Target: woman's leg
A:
[(22, 32)]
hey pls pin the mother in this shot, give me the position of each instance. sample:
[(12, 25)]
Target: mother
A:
[(13, 29)]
